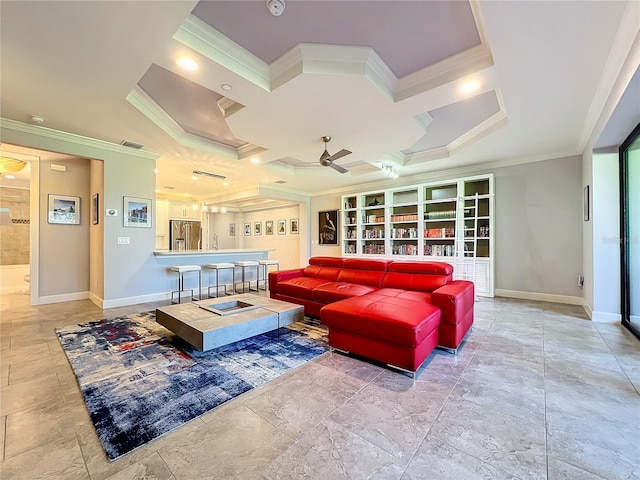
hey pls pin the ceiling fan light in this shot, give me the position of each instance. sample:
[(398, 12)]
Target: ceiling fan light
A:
[(223, 210)]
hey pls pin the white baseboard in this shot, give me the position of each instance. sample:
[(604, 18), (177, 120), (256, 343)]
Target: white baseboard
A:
[(65, 297), (606, 317), (124, 301), (541, 297), (588, 309)]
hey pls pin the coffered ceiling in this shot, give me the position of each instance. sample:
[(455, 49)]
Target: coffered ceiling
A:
[(383, 78)]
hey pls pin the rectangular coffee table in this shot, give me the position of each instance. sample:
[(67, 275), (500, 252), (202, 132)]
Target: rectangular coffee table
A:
[(219, 321)]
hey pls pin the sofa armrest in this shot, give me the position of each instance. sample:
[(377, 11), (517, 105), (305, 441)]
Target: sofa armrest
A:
[(456, 300), (279, 276)]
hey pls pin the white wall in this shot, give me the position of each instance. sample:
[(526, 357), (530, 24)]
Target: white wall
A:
[(538, 223), (64, 249), (286, 248), (605, 237)]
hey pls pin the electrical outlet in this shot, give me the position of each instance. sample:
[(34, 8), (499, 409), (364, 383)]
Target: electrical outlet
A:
[(581, 281), (124, 240)]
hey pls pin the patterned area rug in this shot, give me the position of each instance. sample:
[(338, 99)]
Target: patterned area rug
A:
[(140, 381)]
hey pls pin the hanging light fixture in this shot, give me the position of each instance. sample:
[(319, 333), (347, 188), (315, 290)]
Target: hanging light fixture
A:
[(389, 171), (8, 164)]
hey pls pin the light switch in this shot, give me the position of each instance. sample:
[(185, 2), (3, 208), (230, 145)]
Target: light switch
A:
[(124, 240)]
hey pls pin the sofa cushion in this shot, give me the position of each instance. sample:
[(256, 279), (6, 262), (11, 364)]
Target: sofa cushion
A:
[(402, 321), (300, 287), (407, 294), (415, 281), (336, 262), (326, 273), (336, 291)]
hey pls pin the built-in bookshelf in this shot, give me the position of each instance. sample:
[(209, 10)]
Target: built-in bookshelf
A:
[(450, 221)]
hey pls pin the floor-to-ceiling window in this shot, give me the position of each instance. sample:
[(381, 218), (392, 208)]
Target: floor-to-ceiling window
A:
[(630, 230)]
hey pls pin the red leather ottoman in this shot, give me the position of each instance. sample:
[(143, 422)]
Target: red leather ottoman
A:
[(399, 332)]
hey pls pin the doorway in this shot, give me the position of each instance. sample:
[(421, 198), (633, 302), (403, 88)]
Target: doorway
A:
[(630, 230)]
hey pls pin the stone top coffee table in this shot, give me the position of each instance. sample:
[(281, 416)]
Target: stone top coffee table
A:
[(219, 321)]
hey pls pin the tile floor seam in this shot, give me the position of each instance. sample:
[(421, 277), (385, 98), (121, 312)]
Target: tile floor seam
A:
[(84, 460), (544, 383), (438, 416), (624, 371), (4, 435), (578, 467)]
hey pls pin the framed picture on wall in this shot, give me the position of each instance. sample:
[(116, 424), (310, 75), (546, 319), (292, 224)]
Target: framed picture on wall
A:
[(247, 229), (232, 229), (268, 227), (64, 209), (282, 227), (295, 224), (328, 227), (137, 212), (95, 209), (257, 228)]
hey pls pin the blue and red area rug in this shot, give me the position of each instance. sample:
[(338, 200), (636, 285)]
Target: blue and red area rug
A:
[(140, 381)]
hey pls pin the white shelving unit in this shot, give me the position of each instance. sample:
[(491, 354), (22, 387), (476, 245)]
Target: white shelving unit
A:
[(449, 221)]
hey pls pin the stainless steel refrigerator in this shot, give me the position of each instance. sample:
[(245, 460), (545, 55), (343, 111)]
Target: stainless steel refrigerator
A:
[(184, 235)]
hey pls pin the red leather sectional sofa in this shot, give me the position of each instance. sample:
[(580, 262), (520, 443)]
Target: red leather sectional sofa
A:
[(393, 312)]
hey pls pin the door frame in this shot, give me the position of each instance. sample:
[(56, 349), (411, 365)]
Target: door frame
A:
[(625, 300)]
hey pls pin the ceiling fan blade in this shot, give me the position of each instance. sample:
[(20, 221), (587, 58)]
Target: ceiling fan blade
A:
[(339, 154), (338, 168)]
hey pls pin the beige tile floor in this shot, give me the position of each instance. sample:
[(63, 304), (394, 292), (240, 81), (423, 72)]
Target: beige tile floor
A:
[(537, 392)]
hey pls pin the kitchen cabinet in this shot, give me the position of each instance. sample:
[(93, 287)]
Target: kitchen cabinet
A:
[(182, 210)]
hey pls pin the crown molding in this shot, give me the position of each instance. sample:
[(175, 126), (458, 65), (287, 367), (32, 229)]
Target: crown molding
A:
[(212, 44), (150, 109), (7, 125), (445, 71)]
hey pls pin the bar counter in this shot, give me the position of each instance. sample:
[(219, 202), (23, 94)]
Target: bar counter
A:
[(236, 252)]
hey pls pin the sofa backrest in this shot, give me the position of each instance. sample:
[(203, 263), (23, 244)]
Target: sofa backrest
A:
[(336, 262), (327, 268), (364, 271), (418, 276)]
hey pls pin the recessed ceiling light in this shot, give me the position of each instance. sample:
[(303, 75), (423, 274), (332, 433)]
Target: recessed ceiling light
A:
[(10, 177), (226, 86), (255, 160), (469, 87), (187, 63), (185, 194), (158, 191), (193, 177), (225, 184), (155, 170)]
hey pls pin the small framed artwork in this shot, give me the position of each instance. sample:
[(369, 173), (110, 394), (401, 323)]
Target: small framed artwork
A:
[(247, 229), (585, 207), (268, 227), (137, 212), (95, 209), (257, 228), (328, 227), (295, 224), (232, 229), (64, 209), (282, 227)]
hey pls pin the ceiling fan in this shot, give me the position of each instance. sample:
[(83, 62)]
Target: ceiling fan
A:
[(327, 160)]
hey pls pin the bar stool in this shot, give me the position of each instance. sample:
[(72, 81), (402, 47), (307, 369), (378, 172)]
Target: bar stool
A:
[(217, 267), (265, 264), (181, 270), (248, 264)]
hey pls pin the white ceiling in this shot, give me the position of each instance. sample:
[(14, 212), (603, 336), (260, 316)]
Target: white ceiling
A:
[(381, 77)]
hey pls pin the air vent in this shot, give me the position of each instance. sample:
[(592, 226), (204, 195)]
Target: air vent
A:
[(280, 181), (127, 143), (169, 187)]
